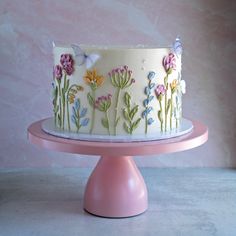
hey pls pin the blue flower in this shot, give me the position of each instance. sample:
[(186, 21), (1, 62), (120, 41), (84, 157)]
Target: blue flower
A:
[(147, 91), (151, 85), (151, 75), (150, 98), (74, 112), (77, 104), (150, 121), (149, 109), (145, 102), (73, 119), (144, 113), (83, 112), (84, 122)]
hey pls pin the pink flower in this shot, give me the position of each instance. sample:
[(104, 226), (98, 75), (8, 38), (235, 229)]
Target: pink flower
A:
[(67, 63), (160, 90), (169, 62), (103, 103), (57, 72)]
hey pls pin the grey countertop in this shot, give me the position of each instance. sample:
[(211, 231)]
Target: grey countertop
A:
[(181, 202)]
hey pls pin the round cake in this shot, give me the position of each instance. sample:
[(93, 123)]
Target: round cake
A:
[(117, 91)]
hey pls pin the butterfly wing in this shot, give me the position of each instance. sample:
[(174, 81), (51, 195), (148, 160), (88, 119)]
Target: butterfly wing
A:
[(91, 59), (183, 86), (80, 56), (177, 47)]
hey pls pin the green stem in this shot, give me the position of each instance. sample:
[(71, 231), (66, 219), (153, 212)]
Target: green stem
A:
[(68, 115), (93, 112), (166, 85), (78, 125), (108, 126), (171, 109), (146, 124), (63, 100), (162, 116), (116, 108), (60, 105)]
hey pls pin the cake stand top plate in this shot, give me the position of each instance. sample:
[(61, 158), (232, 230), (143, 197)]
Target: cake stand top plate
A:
[(196, 137)]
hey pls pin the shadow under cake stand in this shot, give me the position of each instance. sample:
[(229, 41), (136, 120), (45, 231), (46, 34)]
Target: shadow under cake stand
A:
[(116, 188)]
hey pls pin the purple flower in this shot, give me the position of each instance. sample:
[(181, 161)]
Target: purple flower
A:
[(103, 103), (160, 90), (169, 62), (67, 63), (57, 72), (132, 81)]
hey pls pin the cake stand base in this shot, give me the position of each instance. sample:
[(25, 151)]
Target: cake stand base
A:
[(116, 188)]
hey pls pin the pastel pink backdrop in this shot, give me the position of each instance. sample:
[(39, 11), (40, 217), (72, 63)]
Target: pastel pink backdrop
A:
[(208, 32)]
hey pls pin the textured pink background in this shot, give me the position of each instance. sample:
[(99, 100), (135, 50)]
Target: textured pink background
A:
[(208, 31)]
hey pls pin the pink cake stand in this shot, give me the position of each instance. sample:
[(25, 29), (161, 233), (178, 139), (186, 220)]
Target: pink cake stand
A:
[(116, 188)]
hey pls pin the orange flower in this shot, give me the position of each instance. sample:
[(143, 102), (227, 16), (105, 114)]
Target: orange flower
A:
[(93, 79)]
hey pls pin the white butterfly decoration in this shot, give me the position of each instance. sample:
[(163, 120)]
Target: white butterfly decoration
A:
[(177, 47), (82, 58), (183, 86)]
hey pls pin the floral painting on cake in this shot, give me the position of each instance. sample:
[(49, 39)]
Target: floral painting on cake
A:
[(94, 80), (149, 97), (121, 78)]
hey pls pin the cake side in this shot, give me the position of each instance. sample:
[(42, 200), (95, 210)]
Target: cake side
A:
[(117, 91)]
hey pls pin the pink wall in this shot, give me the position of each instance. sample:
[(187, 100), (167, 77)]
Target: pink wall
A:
[(27, 29)]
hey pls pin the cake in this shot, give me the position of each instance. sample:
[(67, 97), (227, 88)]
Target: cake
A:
[(117, 91)]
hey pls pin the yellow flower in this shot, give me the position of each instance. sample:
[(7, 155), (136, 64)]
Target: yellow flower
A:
[(174, 84), (93, 79), (73, 90)]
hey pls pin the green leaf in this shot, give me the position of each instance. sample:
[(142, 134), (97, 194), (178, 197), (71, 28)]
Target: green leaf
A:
[(56, 92), (126, 127), (126, 114), (135, 124), (127, 99), (56, 109), (133, 112), (116, 122), (59, 119), (105, 122), (90, 99), (168, 105), (114, 82), (160, 116)]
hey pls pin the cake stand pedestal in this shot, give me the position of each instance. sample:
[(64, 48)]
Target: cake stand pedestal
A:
[(116, 188)]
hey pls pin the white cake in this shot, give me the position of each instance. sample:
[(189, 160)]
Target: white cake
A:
[(117, 91)]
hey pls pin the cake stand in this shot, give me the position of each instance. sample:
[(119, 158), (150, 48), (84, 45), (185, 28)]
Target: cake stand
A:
[(116, 188)]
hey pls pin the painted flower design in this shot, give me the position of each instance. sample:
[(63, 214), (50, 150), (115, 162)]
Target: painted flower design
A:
[(173, 85), (169, 63), (121, 78), (78, 115), (103, 104), (146, 102), (160, 90), (67, 63), (93, 79), (57, 72)]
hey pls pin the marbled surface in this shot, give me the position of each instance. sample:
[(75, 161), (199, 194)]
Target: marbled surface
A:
[(182, 202), (208, 31)]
